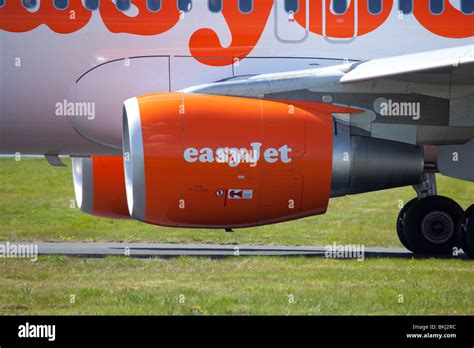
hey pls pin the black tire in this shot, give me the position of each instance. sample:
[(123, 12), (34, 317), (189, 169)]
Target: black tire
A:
[(466, 233), (401, 222), (431, 225)]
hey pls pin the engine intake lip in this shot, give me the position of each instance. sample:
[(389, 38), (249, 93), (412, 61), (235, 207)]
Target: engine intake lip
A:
[(132, 141), (83, 175)]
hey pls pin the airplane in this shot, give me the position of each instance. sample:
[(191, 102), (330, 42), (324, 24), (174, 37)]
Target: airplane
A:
[(236, 113)]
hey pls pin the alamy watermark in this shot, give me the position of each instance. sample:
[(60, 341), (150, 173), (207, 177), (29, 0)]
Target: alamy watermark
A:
[(18, 250), (75, 109), (28, 330), (390, 107), (345, 251)]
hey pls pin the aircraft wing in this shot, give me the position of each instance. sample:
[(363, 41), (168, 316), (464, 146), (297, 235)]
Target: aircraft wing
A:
[(423, 67), (440, 82), (451, 66)]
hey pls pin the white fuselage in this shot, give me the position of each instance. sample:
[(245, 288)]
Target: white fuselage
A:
[(40, 69)]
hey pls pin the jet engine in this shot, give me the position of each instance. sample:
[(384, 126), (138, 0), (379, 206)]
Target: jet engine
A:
[(216, 162), (99, 186)]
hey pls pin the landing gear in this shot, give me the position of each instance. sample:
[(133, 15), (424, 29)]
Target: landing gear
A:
[(430, 224), (401, 222), (466, 233)]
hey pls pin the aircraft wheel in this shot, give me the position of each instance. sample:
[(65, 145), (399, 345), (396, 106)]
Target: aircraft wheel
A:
[(401, 222), (466, 233), (431, 225)]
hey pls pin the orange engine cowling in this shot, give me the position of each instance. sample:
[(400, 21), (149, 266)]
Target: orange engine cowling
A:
[(215, 161), (99, 186)]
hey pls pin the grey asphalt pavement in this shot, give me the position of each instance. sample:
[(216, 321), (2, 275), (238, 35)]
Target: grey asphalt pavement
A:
[(95, 250)]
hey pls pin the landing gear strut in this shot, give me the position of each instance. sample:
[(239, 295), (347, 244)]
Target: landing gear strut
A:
[(430, 224)]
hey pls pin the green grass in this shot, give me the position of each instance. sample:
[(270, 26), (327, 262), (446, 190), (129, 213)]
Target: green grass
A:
[(35, 201), (35, 206), (256, 285)]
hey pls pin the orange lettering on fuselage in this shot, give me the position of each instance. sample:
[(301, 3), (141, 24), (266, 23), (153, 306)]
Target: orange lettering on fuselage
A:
[(16, 18), (144, 23), (450, 23), (246, 29)]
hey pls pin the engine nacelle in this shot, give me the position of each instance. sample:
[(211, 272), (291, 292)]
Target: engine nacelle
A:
[(214, 161), (99, 185)]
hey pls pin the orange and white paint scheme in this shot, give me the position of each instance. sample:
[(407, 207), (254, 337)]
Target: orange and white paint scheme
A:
[(277, 155), (236, 113), (174, 44)]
